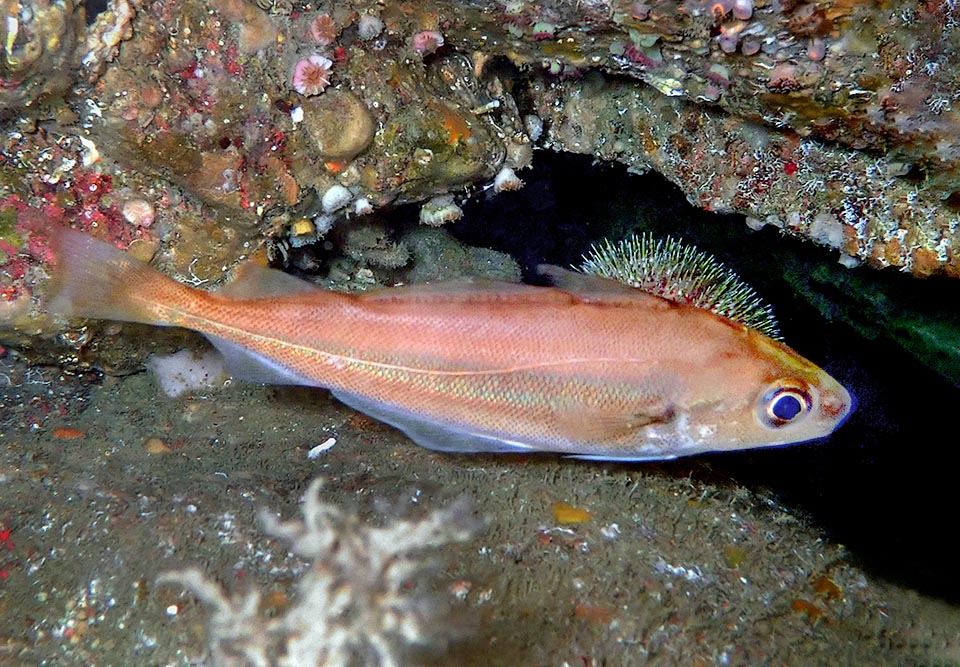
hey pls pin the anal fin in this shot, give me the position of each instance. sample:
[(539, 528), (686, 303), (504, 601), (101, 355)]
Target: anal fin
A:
[(601, 425), (439, 437)]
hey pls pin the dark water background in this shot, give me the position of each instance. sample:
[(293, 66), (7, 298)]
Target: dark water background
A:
[(885, 484)]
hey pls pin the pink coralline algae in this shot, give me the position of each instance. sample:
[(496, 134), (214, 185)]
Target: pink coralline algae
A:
[(426, 42), (311, 75), (647, 57)]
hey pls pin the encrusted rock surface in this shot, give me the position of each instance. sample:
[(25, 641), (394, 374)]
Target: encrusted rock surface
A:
[(837, 196), (878, 76), (832, 121)]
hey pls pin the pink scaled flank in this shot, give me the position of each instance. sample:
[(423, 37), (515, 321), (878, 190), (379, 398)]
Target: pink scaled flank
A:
[(311, 75)]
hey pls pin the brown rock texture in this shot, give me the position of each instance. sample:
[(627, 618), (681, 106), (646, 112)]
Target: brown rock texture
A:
[(833, 121)]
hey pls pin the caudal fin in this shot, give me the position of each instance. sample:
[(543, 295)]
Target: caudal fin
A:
[(96, 280)]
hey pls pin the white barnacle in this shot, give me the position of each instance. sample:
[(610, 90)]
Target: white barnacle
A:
[(440, 210), (362, 206), (506, 179)]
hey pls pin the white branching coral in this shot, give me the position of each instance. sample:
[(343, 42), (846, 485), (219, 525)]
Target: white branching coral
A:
[(354, 606)]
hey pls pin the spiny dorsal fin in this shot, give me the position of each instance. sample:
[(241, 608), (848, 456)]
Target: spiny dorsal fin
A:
[(588, 287)]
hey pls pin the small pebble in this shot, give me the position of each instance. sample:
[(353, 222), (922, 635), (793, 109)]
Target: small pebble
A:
[(156, 446), (139, 212), (565, 513)]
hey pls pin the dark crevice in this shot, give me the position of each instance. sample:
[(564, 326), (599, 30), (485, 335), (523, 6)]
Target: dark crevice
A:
[(883, 483)]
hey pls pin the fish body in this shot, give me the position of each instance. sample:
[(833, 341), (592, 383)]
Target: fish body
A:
[(589, 367)]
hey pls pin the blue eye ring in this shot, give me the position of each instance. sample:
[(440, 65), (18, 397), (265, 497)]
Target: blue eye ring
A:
[(786, 404)]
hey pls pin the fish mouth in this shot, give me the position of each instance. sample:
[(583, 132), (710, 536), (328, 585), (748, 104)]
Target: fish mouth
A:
[(836, 405)]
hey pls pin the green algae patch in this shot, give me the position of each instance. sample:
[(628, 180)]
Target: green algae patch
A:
[(906, 312), (8, 227)]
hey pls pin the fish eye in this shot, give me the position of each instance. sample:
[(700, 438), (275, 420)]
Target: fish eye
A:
[(784, 404)]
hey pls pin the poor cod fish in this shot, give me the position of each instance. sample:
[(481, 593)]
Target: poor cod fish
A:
[(589, 367)]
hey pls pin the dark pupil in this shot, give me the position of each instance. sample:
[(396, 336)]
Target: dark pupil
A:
[(786, 407)]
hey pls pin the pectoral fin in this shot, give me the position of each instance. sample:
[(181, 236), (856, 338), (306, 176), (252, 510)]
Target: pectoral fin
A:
[(603, 425), (614, 432)]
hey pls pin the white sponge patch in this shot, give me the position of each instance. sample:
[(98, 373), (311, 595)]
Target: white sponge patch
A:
[(181, 372)]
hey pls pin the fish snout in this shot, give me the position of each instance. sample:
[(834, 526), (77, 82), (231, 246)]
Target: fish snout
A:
[(835, 404)]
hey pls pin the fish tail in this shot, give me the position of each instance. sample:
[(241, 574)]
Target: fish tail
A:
[(96, 280)]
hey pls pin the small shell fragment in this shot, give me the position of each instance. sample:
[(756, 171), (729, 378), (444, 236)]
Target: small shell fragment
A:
[(321, 448)]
